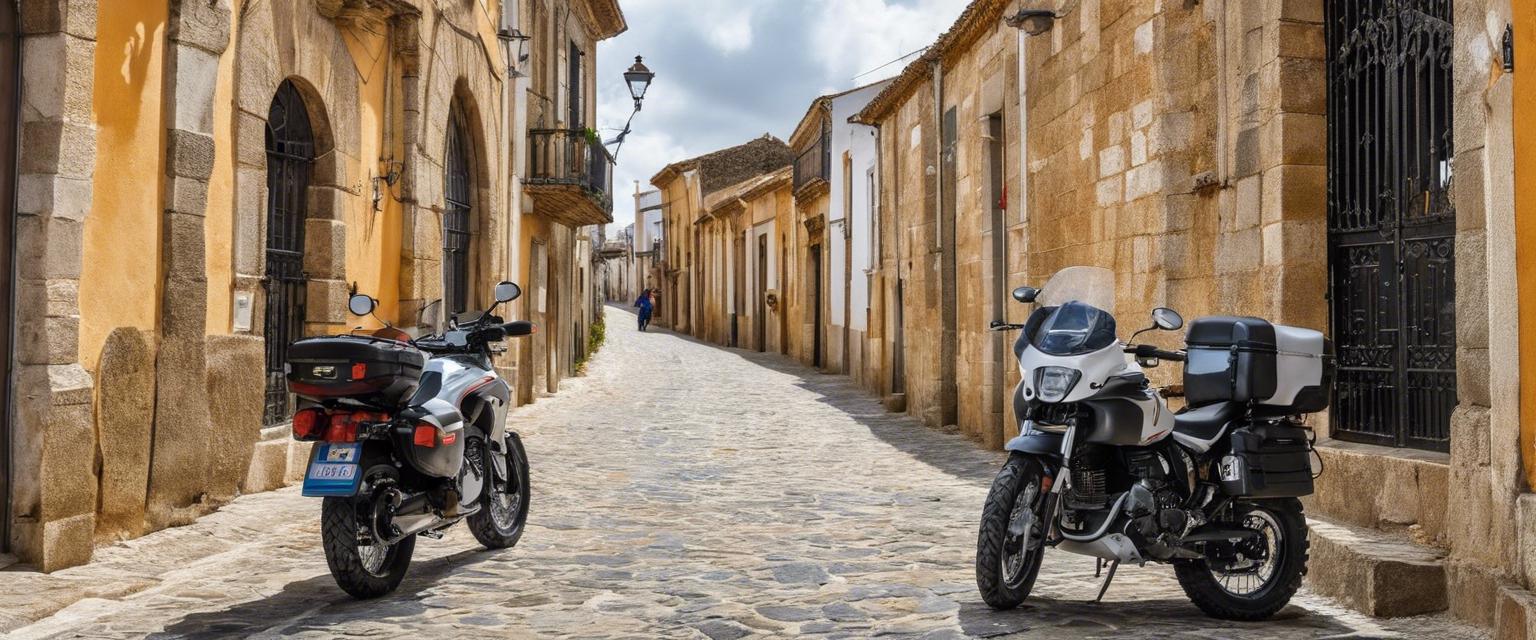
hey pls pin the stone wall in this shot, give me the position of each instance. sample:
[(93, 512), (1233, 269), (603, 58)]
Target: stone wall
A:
[(1486, 479), (172, 411)]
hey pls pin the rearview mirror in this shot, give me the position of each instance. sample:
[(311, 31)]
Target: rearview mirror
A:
[(507, 292), (1026, 295), (362, 304), (1167, 319)]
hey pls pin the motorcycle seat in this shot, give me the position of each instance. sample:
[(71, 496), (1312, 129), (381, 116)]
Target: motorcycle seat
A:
[(1205, 423)]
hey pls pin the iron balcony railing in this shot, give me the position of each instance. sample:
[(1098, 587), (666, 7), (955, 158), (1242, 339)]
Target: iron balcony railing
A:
[(814, 162), (568, 157)]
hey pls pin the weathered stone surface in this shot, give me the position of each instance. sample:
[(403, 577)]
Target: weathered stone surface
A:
[(1379, 487), (236, 385), (327, 301), (1514, 614), (67, 542), (178, 474), (1375, 573), (1473, 592), (126, 401), (268, 468), (325, 248), (694, 530), (189, 154)]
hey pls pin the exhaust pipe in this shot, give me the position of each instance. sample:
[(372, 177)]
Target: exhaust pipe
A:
[(1219, 534)]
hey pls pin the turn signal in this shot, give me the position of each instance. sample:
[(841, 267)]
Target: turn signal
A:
[(426, 436), (306, 424)]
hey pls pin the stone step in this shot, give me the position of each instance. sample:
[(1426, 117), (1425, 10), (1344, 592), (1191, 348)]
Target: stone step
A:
[(1375, 572), (279, 432)]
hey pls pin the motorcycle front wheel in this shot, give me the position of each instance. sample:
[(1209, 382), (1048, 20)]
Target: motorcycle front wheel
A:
[(1254, 578), (1010, 545), (362, 570), (500, 522)]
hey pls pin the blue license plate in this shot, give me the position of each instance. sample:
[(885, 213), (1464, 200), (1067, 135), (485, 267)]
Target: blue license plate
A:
[(335, 469)]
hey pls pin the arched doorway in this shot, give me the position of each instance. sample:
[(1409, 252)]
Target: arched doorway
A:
[(290, 158), (458, 234)]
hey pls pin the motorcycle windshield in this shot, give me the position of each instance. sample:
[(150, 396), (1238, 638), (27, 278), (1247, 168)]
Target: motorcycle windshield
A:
[(1084, 320), (1093, 286)]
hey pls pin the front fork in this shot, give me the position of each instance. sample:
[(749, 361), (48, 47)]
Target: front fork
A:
[(1060, 481)]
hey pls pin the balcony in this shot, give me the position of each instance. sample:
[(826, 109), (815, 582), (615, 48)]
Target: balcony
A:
[(813, 167), (569, 177)]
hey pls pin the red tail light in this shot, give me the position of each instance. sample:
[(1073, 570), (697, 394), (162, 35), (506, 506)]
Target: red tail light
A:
[(342, 429), (359, 370), (307, 424), (426, 436)]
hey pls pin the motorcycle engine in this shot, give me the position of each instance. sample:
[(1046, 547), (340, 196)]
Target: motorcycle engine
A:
[(1162, 488)]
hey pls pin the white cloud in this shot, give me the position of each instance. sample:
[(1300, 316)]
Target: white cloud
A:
[(730, 70), (725, 25), (859, 35)]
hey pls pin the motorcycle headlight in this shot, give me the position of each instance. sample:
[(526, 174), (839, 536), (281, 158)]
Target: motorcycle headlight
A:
[(1052, 384)]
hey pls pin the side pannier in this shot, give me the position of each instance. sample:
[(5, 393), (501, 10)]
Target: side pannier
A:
[(1268, 460)]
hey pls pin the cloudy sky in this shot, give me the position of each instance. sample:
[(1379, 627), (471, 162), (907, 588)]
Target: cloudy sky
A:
[(730, 70)]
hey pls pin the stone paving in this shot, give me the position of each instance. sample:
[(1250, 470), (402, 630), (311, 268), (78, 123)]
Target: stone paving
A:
[(680, 490)]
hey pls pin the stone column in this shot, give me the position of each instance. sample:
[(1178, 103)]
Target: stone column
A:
[(1485, 453), (54, 493), (197, 34)]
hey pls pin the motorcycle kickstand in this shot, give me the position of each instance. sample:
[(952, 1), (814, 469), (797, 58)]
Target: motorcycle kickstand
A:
[(1107, 579)]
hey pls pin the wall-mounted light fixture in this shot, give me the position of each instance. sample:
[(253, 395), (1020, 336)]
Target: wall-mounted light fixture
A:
[(1033, 21), (517, 49)]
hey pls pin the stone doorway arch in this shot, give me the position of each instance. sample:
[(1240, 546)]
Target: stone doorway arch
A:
[(290, 157), (459, 236)]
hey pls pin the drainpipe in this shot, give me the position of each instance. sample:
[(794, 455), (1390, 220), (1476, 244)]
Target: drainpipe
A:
[(1023, 197), (938, 155), (7, 460)]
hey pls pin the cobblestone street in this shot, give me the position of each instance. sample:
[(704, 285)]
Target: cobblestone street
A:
[(680, 490)]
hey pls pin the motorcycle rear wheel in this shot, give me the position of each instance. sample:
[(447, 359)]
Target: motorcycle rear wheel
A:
[(1006, 565), (503, 515), (1231, 593), (363, 571)]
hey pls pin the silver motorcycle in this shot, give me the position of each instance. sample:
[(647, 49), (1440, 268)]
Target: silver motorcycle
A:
[(1102, 468), (410, 438)]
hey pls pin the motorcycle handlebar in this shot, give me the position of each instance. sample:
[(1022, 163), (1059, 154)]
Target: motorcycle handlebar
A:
[(518, 328), (1149, 351)]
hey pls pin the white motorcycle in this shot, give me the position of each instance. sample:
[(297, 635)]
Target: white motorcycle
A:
[(1102, 468), (411, 437)]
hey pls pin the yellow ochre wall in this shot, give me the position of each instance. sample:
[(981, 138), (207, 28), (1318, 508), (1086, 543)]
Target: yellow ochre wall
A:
[(119, 285), (1524, 18), (373, 237), (219, 225), (120, 273)]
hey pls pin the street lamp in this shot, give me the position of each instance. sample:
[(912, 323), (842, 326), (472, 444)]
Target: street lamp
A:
[(1033, 21), (638, 77)]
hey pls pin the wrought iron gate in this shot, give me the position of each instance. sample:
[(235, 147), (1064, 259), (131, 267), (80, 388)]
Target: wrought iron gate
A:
[(456, 229), (1391, 220), (290, 155)]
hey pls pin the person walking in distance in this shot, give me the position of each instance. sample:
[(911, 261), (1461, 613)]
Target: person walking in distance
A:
[(645, 305)]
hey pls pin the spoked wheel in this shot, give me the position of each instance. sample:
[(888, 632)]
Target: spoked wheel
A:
[(1255, 577), (361, 566), (1011, 545), (500, 524)]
